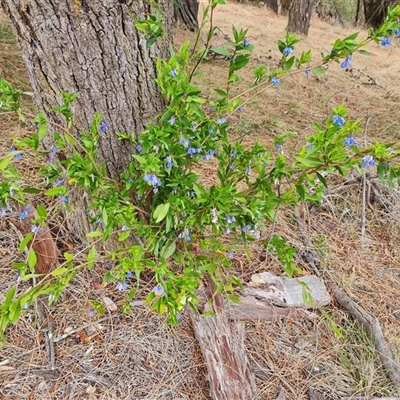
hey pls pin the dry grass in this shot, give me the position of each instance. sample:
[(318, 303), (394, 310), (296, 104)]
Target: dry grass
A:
[(136, 356)]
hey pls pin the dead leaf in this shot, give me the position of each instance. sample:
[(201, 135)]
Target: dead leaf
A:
[(111, 306), (97, 285), (147, 363)]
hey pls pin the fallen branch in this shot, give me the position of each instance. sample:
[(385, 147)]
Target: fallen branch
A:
[(369, 323)]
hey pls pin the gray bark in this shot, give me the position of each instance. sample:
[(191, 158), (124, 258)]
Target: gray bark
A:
[(93, 48), (300, 16), (186, 11)]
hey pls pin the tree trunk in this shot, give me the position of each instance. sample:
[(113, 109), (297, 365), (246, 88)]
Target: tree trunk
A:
[(300, 16), (92, 48), (186, 12), (375, 11)]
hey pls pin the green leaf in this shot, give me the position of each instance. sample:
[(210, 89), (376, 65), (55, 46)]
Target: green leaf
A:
[(32, 259), (59, 271), (94, 234), (70, 139), (322, 179), (319, 71), (68, 256), (91, 257), (160, 212), (41, 211), (364, 52), (31, 190), (15, 311), (167, 251), (25, 241), (55, 191), (221, 51), (123, 236), (4, 163)]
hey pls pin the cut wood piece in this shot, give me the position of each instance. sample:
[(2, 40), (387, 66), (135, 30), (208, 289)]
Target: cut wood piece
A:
[(222, 345), (252, 309), (288, 292)]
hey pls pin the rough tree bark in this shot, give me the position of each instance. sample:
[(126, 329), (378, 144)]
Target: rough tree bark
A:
[(186, 12), (300, 16), (92, 47)]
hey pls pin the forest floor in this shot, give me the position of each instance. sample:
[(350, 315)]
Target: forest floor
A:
[(136, 356)]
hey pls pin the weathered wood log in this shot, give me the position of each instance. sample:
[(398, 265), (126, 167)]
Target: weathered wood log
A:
[(252, 309), (222, 345)]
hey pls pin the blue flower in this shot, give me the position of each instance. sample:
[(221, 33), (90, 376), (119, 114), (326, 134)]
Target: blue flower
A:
[(346, 63), (36, 228), (3, 212), (53, 150), (247, 171), (338, 120), (246, 228), (308, 71), (184, 142), (287, 50), (122, 286), (240, 108), (172, 120), (232, 167), (173, 73), (397, 32), (124, 228), (234, 153), (278, 147), (221, 121), (64, 199), (152, 179), (211, 131), (169, 162), (92, 313), (368, 161), (275, 81), (159, 290), (17, 156), (350, 141), (139, 148), (103, 127), (214, 215), (185, 235), (24, 213), (229, 219), (246, 43), (59, 183), (230, 255), (129, 274), (387, 41)]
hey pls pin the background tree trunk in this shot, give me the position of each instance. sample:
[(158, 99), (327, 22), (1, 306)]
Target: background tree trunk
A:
[(92, 47), (300, 16), (375, 11), (186, 12)]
